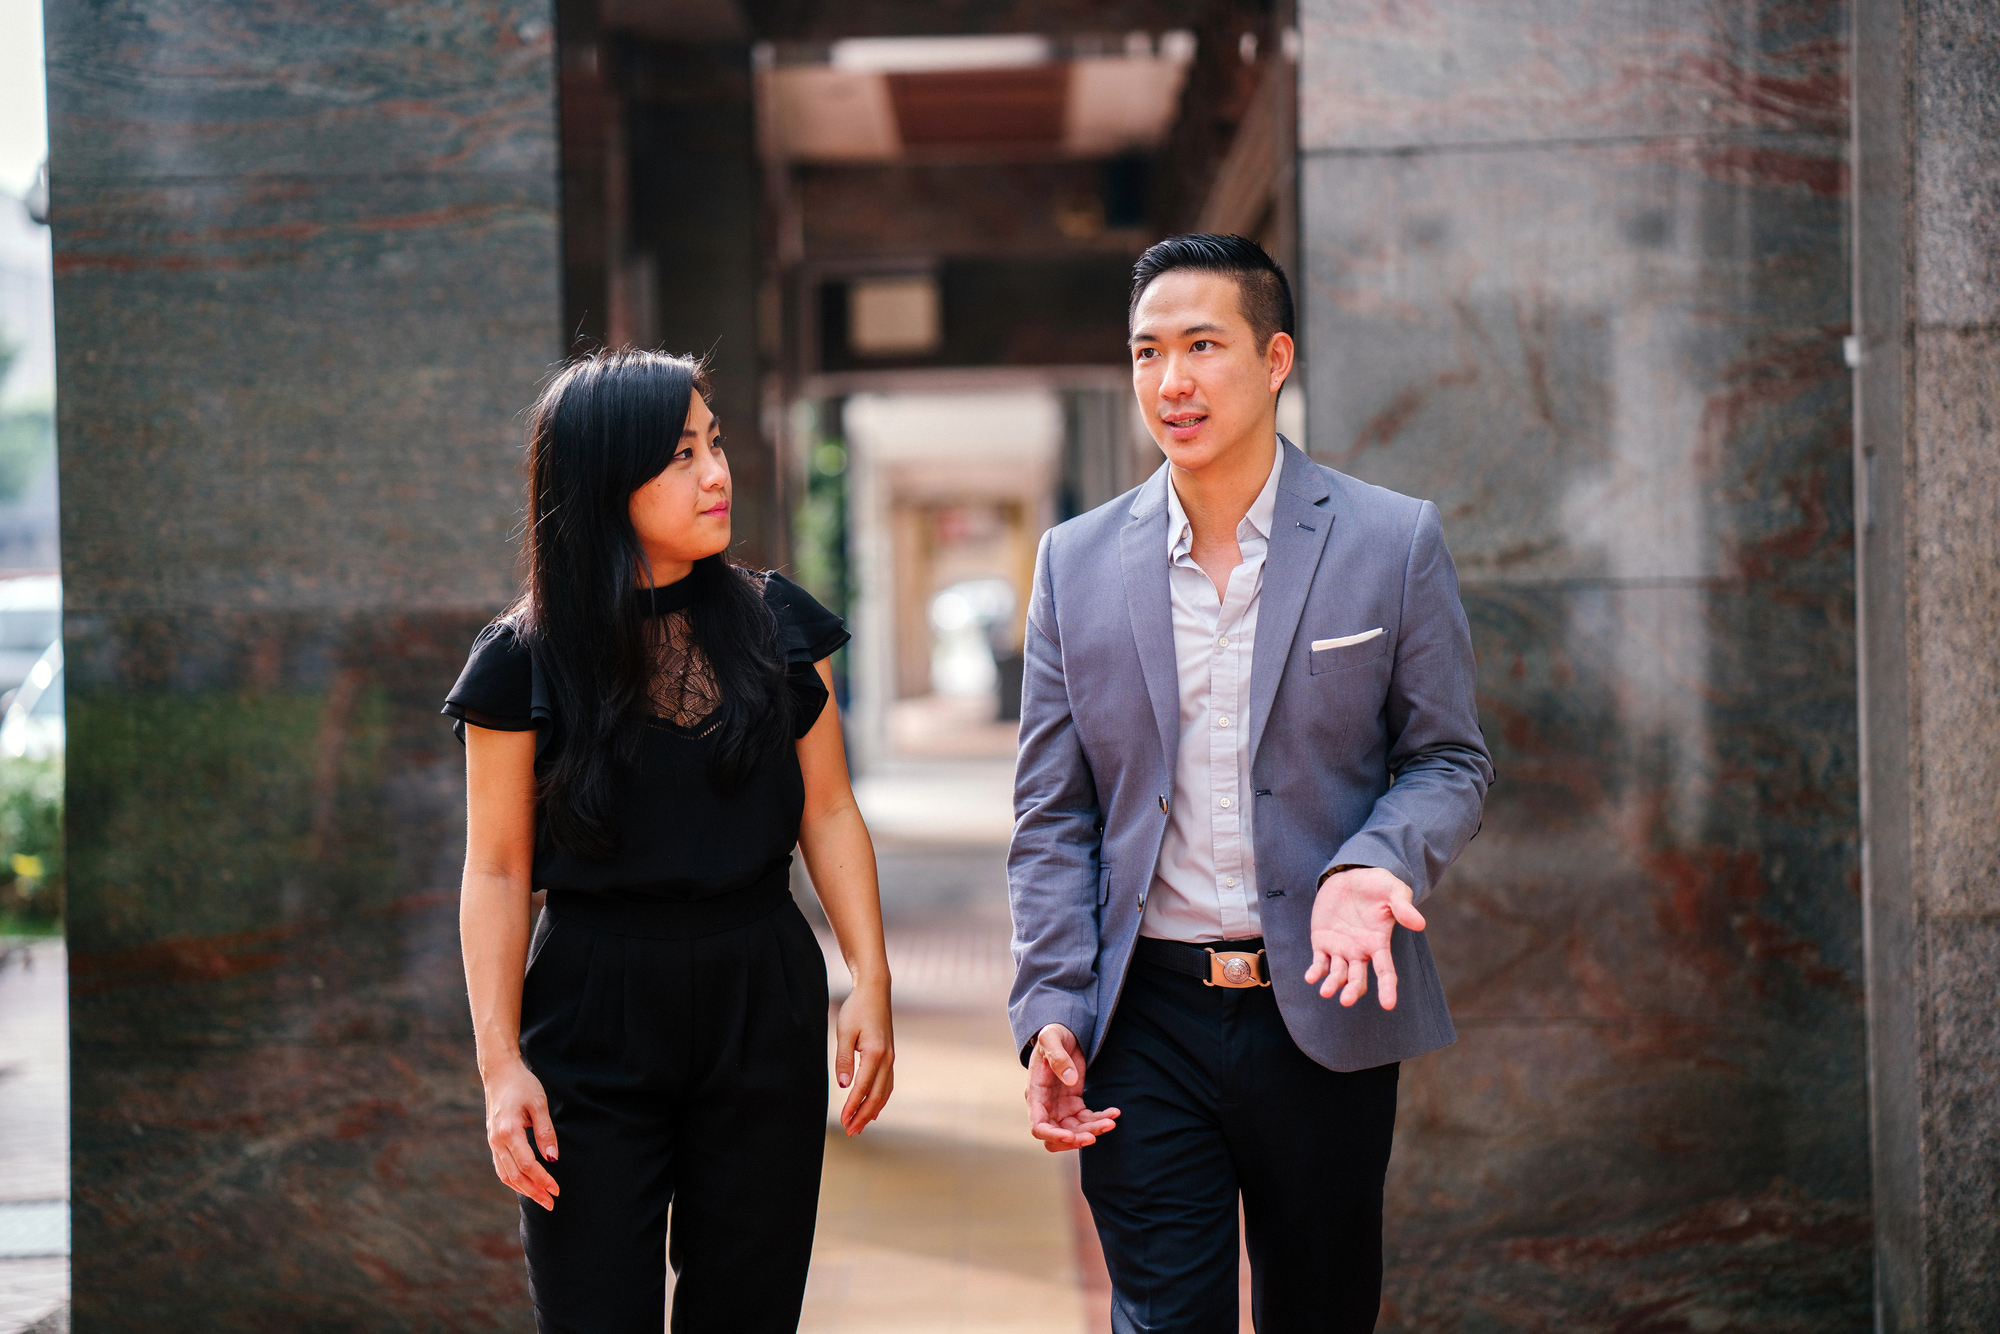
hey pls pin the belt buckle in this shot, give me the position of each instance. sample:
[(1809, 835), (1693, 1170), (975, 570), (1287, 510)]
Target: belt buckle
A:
[(1235, 969)]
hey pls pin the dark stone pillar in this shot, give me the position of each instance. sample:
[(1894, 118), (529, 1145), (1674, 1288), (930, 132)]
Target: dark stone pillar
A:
[(307, 276), (1927, 298), (1579, 273)]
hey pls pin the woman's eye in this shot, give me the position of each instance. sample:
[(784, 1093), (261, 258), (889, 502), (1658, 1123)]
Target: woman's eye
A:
[(684, 456), (715, 444)]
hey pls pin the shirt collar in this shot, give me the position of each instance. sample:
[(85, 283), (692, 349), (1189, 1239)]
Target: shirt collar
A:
[(1180, 533)]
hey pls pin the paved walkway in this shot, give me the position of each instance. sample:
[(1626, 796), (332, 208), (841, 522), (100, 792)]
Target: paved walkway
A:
[(945, 1216), (34, 1136)]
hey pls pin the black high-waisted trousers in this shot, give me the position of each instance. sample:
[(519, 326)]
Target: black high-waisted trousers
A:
[(683, 1049)]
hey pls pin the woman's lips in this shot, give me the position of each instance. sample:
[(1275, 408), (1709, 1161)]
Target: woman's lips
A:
[(718, 510)]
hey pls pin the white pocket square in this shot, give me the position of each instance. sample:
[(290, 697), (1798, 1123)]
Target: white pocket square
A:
[(1346, 640)]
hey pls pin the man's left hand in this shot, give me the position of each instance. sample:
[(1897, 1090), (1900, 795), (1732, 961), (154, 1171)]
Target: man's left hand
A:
[(1353, 917)]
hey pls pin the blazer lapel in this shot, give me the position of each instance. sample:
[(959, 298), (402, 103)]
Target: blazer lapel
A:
[(1142, 551), (1300, 525)]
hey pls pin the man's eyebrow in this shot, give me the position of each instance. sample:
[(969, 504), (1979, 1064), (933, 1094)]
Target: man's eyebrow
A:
[(1148, 336)]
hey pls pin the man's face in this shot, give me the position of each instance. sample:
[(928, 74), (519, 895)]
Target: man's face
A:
[(1203, 385)]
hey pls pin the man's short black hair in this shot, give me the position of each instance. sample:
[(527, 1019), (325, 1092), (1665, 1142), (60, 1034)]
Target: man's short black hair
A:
[(1263, 293)]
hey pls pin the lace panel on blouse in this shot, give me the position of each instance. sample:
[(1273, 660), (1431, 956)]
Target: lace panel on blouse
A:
[(683, 690)]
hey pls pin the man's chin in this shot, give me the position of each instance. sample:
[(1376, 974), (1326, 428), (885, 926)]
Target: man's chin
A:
[(1192, 455)]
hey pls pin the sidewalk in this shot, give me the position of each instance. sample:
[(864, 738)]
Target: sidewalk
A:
[(945, 1217), (34, 1138)]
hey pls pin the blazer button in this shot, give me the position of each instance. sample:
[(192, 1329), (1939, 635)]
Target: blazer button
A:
[(1142, 900)]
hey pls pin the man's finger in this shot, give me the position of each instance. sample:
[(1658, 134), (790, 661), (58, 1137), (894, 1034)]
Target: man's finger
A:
[(1057, 1059), (1054, 1137), (1406, 913), (1357, 981), (1385, 978), (1322, 964)]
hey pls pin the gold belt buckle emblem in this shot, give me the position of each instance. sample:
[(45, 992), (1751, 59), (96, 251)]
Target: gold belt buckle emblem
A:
[(1234, 968)]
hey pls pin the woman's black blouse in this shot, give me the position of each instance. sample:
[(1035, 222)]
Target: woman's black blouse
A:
[(679, 838)]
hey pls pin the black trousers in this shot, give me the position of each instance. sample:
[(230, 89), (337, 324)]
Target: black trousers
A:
[(1215, 1098), (688, 1072)]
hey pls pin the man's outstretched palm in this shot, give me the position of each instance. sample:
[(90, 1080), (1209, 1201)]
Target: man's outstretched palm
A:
[(1056, 1114), (1353, 918)]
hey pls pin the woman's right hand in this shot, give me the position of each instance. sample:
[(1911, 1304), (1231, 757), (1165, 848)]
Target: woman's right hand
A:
[(515, 1102)]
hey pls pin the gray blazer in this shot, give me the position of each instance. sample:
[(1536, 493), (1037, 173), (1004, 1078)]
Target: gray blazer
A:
[(1368, 753)]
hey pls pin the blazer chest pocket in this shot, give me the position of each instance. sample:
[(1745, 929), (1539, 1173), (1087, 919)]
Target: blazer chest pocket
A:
[(1349, 652)]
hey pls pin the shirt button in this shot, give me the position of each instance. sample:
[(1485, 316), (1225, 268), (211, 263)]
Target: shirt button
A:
[(1229, 881), (1225, 803), (1224, 641), (1222, 722)]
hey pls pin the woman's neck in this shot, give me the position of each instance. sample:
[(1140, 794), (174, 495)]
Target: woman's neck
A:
[(663, 572)]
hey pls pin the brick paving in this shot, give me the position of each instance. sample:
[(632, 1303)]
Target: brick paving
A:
[(34, 1138)]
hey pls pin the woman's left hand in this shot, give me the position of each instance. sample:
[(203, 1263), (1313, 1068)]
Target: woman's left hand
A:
[(864, 1055)]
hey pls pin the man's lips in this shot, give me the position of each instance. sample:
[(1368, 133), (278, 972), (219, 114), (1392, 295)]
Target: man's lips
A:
[(1183, 425)]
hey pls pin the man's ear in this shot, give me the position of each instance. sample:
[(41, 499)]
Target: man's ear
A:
[(1278, 358)]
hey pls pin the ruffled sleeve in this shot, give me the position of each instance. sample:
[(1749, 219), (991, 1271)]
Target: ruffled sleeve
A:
[(810, 633), (499, 688)]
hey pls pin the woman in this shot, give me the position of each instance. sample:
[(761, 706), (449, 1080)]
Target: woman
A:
[(647, 737)]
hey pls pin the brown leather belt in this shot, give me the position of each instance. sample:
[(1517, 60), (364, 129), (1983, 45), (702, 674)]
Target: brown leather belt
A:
[(1235, 964)]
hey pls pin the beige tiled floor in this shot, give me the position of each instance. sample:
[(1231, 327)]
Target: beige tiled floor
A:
[(945, 1215)]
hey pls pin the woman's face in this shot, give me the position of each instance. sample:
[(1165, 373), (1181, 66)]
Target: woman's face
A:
[(682, 515)]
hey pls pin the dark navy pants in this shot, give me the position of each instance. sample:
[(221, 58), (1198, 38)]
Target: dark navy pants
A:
[(1216, 1099)]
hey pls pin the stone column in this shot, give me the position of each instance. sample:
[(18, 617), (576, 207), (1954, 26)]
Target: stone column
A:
[(1927, 415), (1577, 270), (307, 277)]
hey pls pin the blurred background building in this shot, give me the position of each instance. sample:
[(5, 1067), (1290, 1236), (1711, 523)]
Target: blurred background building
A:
[(1683, 314)]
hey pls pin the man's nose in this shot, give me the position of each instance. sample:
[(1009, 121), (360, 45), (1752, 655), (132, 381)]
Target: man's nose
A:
[(1175, 382)]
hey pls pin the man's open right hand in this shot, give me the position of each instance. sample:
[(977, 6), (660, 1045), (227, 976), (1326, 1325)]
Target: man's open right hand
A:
[(1056, 1114)]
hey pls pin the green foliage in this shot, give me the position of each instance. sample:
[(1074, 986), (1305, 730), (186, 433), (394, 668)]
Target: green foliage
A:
[(820, 528), (27, 439), (27, 446), (31, 845)]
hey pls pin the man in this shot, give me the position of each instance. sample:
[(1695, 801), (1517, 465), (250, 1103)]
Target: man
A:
[(1248, 749)]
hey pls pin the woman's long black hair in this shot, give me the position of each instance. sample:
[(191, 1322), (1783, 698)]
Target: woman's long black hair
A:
[(607, 424)]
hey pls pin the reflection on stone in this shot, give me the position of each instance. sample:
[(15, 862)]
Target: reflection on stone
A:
[(1585, 289), (274, 1103)]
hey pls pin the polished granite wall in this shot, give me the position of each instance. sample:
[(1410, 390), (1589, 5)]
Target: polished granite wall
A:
[(307, 276), (1927, 300), (1577, 270)]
